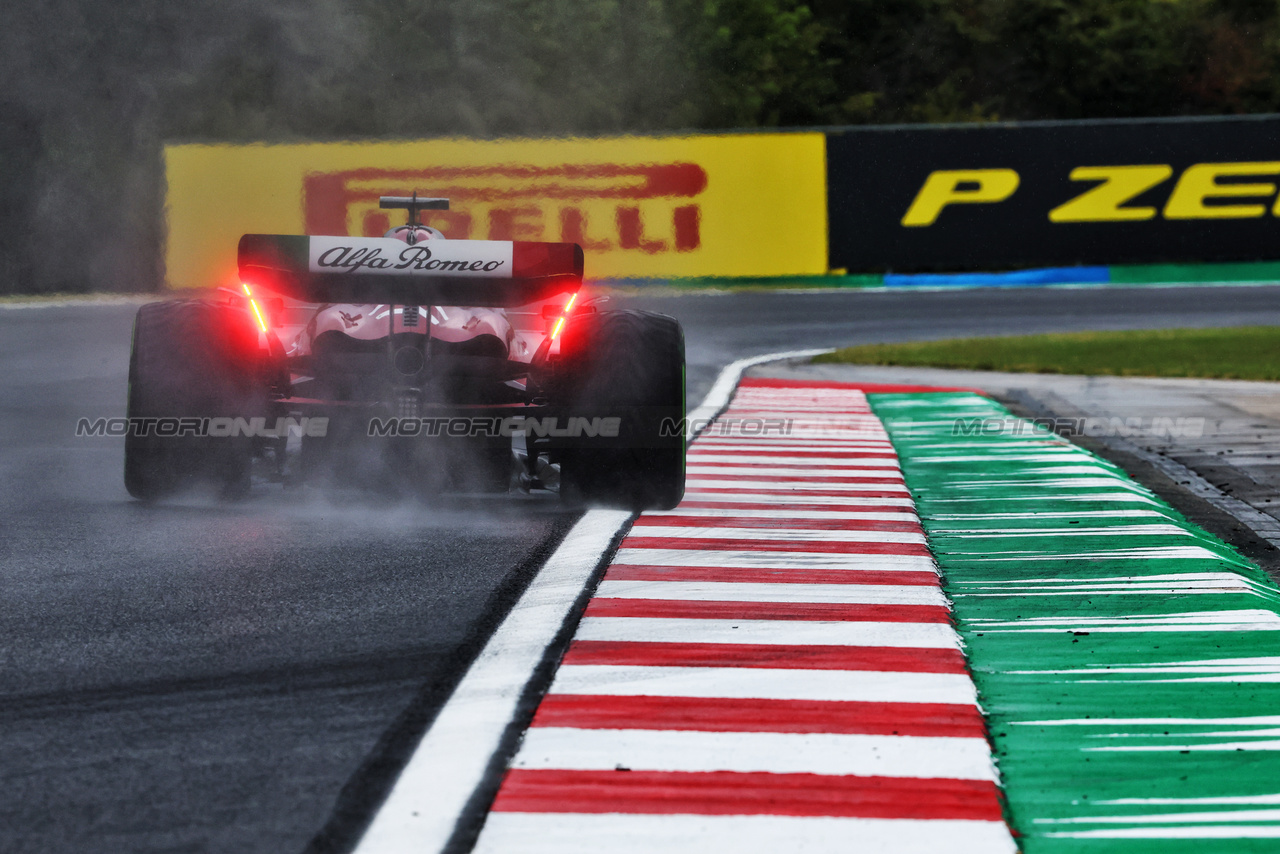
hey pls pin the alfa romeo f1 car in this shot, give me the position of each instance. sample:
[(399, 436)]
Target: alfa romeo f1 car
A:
[(409, 360)]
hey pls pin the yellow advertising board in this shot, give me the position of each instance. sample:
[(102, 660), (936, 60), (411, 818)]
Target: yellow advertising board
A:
[(641, 207)]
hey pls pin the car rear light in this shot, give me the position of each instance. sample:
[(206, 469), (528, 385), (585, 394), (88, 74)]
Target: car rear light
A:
[(564, 315), (253, 305)]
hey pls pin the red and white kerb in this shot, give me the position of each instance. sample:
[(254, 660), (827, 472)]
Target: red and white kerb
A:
[(768, 667)]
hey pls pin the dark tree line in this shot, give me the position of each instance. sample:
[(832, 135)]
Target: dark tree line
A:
[(92, 88)]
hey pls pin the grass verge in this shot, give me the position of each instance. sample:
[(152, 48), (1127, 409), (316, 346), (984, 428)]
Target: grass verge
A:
[(1246, 353)]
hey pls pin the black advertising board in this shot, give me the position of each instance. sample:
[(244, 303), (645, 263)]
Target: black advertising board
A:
[(1054, 193)]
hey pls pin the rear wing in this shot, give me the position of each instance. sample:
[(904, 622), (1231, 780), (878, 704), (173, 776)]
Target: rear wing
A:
[(433, 272)]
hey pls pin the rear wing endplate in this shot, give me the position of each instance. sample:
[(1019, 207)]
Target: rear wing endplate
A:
[(433, 272)]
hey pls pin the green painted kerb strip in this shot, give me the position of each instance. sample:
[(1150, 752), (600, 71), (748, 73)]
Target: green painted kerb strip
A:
[(1128, 662), (1146, 274)]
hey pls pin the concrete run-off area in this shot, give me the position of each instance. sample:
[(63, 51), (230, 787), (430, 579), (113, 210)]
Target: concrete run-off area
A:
[(1213, 440)]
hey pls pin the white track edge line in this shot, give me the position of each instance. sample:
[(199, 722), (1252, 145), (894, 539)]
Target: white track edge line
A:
[(718, 397), (429, 797), (449, 764)]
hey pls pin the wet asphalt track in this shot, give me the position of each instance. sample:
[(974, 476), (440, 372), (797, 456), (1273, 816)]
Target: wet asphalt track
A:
[(244, 678)]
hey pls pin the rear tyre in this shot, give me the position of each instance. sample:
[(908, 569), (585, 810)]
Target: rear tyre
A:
[(194, 360), (628, 365)]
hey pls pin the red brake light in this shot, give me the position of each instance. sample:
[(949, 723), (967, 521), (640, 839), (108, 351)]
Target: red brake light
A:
[(253, 304), (564, 315)]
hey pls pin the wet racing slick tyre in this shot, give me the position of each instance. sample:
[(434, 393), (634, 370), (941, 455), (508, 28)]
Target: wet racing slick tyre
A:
[(191, 360), (629, 365)]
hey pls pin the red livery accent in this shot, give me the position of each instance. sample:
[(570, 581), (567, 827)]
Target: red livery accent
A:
[(735, 793), (539, 260)]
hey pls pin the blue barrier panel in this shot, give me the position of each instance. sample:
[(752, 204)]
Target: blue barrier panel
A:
[(1015, 278)]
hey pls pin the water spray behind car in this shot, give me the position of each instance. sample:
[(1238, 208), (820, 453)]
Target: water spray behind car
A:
[(409, 363)]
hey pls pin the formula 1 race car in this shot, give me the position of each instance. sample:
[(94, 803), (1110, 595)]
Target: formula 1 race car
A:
[(412, 362)]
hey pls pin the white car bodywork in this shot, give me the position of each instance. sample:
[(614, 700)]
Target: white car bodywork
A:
[(450, 324)]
